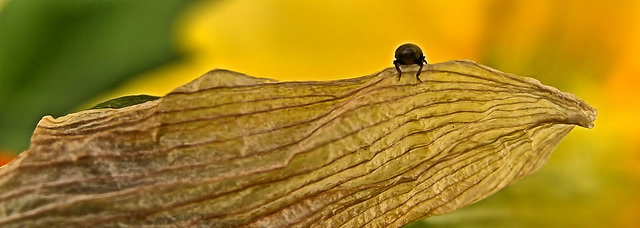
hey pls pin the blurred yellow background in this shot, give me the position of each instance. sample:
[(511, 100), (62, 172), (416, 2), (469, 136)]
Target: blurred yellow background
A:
[(588, 48)]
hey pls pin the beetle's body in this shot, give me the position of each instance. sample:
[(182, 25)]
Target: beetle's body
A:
[(408, 54)]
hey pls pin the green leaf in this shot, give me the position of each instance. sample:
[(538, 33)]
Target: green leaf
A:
[(125, 101)]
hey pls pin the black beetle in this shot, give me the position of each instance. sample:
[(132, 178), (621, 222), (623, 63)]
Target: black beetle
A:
[(408, 54)]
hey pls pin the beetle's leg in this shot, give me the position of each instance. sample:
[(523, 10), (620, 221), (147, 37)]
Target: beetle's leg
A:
[(395, 62), (419, 62), (419, 71)]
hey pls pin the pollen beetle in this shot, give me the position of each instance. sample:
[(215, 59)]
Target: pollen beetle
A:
[(408, 54)]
